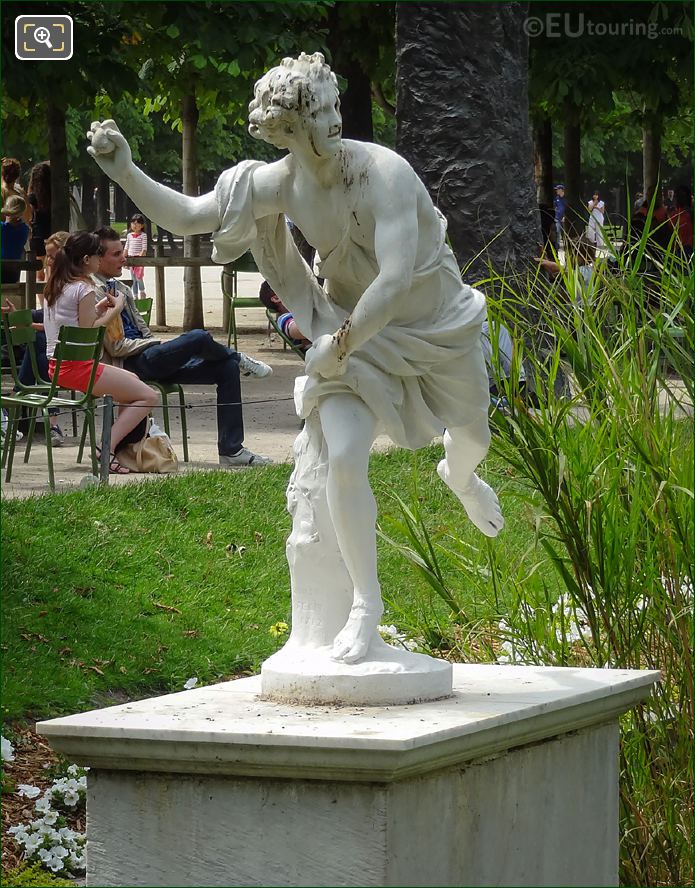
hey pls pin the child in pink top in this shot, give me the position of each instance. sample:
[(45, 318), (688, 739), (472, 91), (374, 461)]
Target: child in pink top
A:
[(136, 245)]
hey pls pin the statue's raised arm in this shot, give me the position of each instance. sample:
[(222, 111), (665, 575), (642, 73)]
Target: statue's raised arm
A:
[(164, 206)]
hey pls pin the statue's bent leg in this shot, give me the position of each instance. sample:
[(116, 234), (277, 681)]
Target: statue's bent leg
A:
[(466, 447), (349, 428)]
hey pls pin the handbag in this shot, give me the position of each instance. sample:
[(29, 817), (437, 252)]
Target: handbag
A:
[(151, 454)]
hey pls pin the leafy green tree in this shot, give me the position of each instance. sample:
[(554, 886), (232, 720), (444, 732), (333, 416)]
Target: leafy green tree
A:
[(360, 40), (202, 61), (603, 68), (39, 94)]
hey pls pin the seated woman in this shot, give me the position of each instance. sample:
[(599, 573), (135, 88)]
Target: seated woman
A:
[(70, 299)]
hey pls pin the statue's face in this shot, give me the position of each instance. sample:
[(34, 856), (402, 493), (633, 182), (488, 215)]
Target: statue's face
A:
[(324, 125)]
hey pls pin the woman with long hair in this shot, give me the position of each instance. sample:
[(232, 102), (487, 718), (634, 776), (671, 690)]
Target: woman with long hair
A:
[(70, 300)]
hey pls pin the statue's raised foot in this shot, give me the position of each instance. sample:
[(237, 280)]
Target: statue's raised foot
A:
[(478, 499)]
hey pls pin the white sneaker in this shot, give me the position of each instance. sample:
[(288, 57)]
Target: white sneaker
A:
[(243, 458), (251, 367)]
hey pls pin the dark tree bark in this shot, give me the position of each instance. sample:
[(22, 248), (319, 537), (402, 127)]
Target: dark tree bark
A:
[(463, 123), (651, 154), (543, 173), (58, 155), (193, 291), (576, 214), (89, 211), (103, 186), (356, 100), (543, 159)]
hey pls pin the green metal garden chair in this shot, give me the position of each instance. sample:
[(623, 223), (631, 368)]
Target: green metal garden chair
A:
[(74, 344), (230, 291), (144, 307), (17, 326)]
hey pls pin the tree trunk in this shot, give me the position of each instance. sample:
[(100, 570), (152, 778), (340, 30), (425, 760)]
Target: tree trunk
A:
[(462, 113), (543, 159), (58, 155), (88, 184), (576, 213), (193, 291), (543, 171), (356, 100), (651, 154), (103, 183)]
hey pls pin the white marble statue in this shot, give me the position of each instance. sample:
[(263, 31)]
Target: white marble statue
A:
[(396, 337)]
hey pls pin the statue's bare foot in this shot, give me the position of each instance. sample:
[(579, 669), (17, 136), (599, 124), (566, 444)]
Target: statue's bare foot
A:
[(353, 640), (478, 499)]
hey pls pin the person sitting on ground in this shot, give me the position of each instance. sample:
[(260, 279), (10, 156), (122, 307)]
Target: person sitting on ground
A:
[(285, 319), (582, 256), (70, 300), (15, 234), (193, 357), (499, 359)]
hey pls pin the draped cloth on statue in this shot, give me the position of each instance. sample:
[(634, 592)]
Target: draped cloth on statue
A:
[(417, 377)]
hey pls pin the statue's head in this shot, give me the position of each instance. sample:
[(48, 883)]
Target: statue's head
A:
[(298, 100)]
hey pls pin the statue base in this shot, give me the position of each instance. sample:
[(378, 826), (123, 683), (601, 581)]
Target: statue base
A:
[(388, 676), (513, 780)]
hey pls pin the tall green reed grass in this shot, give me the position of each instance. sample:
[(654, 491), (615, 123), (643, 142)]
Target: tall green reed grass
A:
[(605, 462)]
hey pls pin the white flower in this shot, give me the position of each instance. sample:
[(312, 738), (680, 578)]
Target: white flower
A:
[(50, 817), (55, 864), (30, 792), (391, 635), (71, 798), (59, 851), (45, 855), (32, 843), (190, 684), (67, 834), (388, 630), (7, 750), (43, 806), (73, 770), (77, 861)]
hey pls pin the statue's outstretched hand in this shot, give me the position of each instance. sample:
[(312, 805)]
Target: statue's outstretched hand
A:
[(323, 358), (109, 148)]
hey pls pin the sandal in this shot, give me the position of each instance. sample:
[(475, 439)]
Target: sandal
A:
[(115, 468)]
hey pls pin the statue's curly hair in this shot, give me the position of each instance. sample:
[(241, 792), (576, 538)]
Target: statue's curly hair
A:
[(285, 93)]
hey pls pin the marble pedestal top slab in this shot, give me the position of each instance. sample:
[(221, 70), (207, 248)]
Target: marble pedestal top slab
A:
[(229, 728)]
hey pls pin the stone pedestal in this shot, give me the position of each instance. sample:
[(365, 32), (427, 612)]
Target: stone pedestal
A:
[(513, 780)]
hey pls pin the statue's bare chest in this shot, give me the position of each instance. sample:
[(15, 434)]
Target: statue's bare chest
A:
[(325, 215)]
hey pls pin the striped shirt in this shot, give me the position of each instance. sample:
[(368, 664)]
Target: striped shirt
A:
[(136, 244)]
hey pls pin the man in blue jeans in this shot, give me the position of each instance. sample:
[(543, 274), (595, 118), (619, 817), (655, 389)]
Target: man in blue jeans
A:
[(193, 357)]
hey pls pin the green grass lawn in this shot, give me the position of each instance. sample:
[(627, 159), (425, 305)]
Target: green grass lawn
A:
[(130, 591)]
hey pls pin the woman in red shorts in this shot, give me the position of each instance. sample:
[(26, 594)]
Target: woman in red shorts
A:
[(70, 300)]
